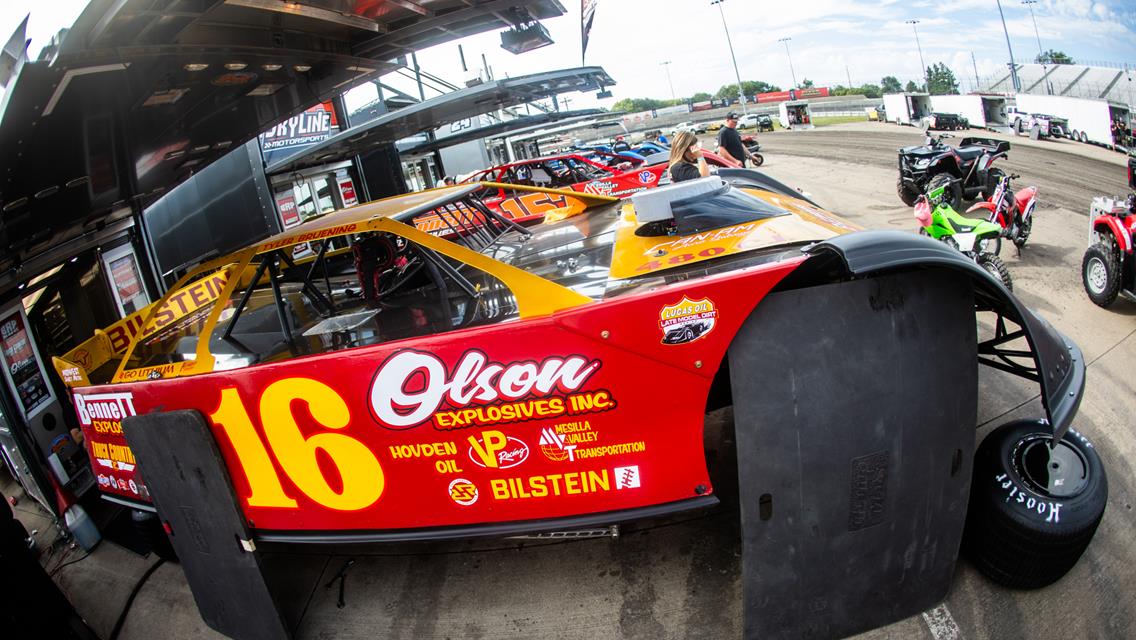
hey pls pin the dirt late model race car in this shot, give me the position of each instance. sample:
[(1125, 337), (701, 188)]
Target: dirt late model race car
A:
[(511, 380)]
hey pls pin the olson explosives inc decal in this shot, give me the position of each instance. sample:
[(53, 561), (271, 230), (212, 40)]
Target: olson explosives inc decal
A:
[(413, 387), (687, 320)]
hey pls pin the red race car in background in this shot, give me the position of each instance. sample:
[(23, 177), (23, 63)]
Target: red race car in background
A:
[(566, 172)]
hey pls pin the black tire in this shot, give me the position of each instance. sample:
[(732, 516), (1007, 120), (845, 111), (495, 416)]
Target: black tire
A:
[(992, 178), (758, 160), (149, 527), (1018, 532), (906, 194), (1084, 137), (990, 245), (1024, 231), (1100, 274), (994, 265), (1035, 132), (952, 185), (1018, 126)]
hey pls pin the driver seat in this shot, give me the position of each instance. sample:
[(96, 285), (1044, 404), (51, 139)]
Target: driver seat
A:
[(969, 155)]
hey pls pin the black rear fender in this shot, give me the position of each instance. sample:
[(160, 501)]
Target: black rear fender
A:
[(1052, 360)]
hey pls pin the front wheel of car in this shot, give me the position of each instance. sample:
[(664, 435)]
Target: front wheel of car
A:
[(906, 194), (1033, 508), (1100, 273), (1018, 126), (995, 267)]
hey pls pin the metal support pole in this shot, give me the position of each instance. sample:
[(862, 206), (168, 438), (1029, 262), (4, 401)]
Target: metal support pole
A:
[(737, 75), (1040, 52), (1013, 69), (785, 41), (667, 66), (926, 78), (974, 63)]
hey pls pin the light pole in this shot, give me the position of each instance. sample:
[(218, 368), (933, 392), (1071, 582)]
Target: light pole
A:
[(1013, 69), (667, 66), (790, 56), (926, 82), (741, 92), (1040, 53)]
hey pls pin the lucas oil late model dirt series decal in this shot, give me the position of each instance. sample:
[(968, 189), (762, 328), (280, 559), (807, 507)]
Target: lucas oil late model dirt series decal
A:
[(687, 320)]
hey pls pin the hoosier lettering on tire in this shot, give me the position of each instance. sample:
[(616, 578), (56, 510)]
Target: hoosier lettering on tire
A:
[(1033, 509)]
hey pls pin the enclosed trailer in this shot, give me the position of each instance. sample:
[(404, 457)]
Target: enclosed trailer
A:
[(907, 108), (981, 111), (795, 115), (1089, 120)]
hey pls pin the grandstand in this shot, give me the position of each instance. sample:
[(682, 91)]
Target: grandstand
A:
[(1072, 80)]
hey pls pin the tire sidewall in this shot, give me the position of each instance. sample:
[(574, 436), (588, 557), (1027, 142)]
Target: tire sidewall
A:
[(1000, 486)]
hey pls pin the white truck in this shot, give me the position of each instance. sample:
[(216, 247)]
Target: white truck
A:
[(1089, 120), (907, 108)]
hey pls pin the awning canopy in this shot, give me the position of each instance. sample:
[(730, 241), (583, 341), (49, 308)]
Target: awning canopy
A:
[(451, 107), (499, 129), (139, 94)]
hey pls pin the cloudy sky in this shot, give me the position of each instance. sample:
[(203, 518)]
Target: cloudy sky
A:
[(631, 37)]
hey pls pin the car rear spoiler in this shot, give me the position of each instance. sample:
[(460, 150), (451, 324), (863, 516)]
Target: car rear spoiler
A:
[(1057, 363)]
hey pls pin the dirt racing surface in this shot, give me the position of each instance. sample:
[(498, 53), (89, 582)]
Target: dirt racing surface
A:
[(681, 578)]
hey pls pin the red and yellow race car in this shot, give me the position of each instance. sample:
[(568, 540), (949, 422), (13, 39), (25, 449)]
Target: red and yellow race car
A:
[(553, 377)]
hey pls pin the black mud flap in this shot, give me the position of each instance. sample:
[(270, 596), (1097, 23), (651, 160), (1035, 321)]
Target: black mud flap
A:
[(1053, 361), (855, 407), (193, 494)]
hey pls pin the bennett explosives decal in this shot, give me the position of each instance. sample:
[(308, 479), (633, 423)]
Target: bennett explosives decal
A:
[(495, 450), (687, 320), (102, 414), (413, 387)]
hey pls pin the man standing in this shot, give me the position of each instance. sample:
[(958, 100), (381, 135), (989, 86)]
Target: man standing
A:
[(730, 143)]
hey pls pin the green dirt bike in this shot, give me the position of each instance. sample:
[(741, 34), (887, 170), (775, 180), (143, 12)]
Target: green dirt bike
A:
[(978, 239)]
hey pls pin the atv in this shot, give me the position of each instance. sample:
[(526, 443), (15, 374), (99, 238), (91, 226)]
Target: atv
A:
[(963, 170), (1108, 269)]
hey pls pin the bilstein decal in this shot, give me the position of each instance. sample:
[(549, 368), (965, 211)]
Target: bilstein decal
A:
[(687, 320), (412, 387)]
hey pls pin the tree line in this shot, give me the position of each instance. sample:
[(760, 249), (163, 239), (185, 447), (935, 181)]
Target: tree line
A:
[(939, 80)]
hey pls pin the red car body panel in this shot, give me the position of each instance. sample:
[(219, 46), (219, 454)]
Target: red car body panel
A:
[(547, 417)]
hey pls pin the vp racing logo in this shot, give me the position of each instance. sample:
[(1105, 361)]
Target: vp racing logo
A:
[(413, 387)]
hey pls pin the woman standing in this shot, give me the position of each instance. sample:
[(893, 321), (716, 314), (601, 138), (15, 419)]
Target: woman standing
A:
[(687, 162)]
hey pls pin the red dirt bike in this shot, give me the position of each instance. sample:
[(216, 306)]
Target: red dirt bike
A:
[(1011, 211)]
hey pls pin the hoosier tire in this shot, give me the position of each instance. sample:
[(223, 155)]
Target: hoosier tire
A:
[(1020, 533), (994, 265)]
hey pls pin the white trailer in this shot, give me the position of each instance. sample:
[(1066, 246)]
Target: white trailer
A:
[(907, 108), (983, 112), (1089, 120), (795, 115)]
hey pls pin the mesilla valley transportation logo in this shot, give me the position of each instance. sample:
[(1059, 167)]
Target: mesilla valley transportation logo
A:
[(687, 320)]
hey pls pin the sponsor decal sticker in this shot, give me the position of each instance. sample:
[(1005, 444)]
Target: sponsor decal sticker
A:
[(647, 177), (495, 450), (578, 440), (552, 484), (687, 320), (412, 387), (463, 492), (626, 477)]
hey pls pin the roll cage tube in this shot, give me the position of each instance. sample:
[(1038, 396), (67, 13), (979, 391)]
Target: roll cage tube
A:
[(1057, 364)]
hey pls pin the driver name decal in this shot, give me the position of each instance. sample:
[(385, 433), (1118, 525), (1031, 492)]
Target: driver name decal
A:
[(411, 388)]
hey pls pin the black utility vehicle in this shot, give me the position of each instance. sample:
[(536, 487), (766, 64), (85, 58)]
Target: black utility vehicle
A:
[(947, 121), (964, 170)]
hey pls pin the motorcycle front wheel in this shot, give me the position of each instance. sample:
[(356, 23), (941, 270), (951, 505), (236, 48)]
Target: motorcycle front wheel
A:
[(991, 244), (995, 267), (758, 160)]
